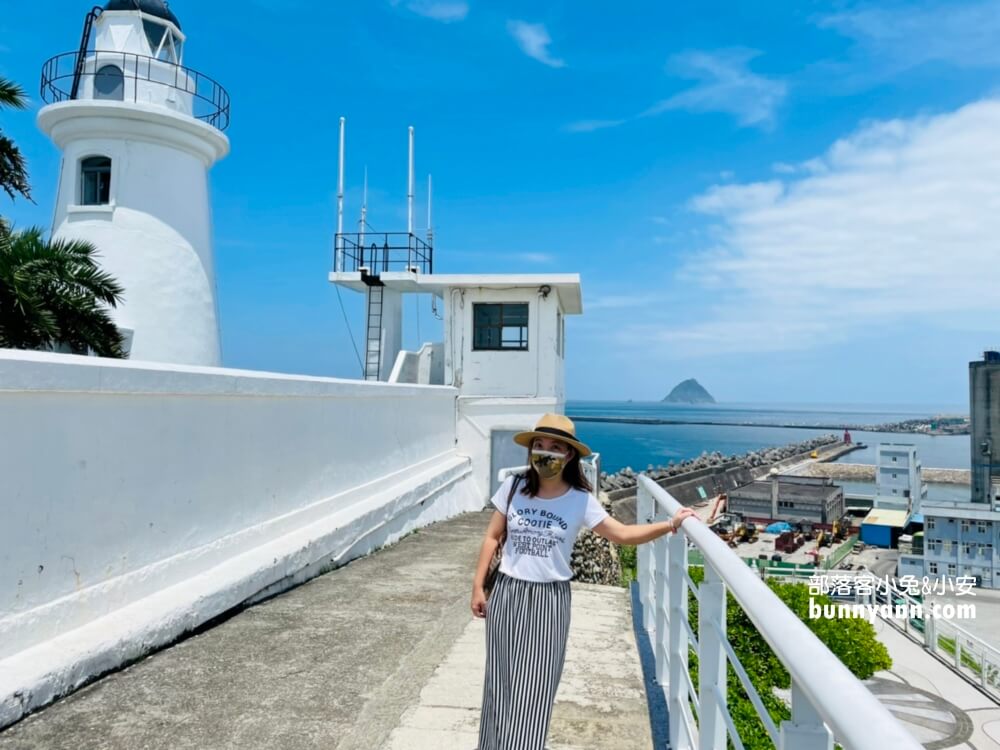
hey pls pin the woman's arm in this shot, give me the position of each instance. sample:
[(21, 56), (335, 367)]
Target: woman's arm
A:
[(491, 540), (640, 533)]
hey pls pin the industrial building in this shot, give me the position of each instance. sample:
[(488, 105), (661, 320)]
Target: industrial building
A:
[(899, 481), (962, 538), (789, 498)]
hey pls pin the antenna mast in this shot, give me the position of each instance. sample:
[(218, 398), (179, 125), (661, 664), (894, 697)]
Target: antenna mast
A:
[(409, 189), (339, 241), (430, 225), (364, 214)]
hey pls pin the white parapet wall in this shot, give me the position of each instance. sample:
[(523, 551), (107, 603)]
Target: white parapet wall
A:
[(140, 500)]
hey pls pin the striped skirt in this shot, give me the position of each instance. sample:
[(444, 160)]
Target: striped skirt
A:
[(527, 624)]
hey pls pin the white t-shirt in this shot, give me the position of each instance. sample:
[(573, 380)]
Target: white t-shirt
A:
[(541, 532)]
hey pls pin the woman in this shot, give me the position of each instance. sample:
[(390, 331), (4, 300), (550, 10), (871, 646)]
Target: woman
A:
[(527, 619)]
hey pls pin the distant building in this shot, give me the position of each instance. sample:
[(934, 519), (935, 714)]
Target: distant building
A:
[(898, 477), (789, 498), (962, 538)]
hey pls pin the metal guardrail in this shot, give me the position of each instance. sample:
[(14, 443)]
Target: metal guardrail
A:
[(969, 656), (63, 74), (381, 252), (828, 702)]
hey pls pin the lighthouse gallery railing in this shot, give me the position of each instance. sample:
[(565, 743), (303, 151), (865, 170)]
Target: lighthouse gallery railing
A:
[(65, 74)]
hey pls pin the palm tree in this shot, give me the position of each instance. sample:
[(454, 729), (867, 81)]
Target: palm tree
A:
[(52, 293), (13, 172)]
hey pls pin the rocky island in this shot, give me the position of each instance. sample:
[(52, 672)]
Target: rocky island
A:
[(689, 392)]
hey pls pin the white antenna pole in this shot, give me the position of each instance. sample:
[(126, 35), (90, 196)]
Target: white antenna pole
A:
[(430, 225), (364, 213), (340, 201), (409, 190)]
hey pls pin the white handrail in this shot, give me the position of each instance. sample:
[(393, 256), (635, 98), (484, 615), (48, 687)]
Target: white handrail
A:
[(824, 691)]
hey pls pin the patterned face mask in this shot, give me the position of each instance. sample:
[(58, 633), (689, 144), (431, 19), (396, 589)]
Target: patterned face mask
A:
[(547, 463)]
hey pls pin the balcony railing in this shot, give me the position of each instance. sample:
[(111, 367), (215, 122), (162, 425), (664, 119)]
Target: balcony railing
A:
[(379, 252), (828, 702), (137, 78)]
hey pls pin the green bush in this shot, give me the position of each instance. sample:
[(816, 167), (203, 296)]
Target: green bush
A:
[(852, 640)]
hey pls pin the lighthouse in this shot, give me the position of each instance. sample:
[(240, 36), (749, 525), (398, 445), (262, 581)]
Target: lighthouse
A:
[(139, 132)]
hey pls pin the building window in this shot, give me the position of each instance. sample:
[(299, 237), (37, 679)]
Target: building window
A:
[(109, 83), (930, 524), (500, 326), (893, 476), (967, 548), (95, 181), (894, 461), (932, 546), (965, 526), (951, 569), (932, 568), (981, 527), (986, 550)]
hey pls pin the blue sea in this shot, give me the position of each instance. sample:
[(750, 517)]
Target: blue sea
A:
[(642, 445)]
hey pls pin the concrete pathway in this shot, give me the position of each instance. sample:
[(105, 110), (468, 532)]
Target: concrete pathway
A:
[(940, 708), (600, 703), (342, 661)]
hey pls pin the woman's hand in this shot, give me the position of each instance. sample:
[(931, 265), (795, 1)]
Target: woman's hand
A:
[(679, 517), (478, 602)]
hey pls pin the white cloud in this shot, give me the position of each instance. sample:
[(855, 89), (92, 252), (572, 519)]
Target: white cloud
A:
[(534, 40), (588, 126), (906, 35), (540, 258), (445, 11), (899, 221), (725, 84)]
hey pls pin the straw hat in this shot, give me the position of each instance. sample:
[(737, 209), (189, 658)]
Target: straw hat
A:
[(553, 426)]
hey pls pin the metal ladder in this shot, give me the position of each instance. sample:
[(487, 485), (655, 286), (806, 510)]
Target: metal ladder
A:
[(373, 339), (81, 58)]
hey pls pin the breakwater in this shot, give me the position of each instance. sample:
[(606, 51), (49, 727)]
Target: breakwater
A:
[(622, 483), (907, 426), (866, 473)]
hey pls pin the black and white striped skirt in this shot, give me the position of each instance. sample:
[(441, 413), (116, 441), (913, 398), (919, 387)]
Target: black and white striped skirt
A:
[(527, 623)]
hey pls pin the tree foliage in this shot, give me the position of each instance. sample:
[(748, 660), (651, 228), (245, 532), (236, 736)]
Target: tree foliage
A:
[(13, 170), (54, 293)]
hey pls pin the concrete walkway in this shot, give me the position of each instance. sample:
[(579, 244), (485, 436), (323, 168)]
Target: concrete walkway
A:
[(353, 660), (600, 702), (940, 708)]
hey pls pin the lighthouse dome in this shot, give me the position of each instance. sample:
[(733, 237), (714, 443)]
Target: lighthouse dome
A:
[(157, 8)]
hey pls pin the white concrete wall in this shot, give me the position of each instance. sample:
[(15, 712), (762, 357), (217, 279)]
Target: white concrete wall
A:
[(140, 500)]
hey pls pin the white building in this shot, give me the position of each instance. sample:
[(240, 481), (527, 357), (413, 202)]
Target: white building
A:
[(504, 350), (139, 132), (899, 481), (962, 538)]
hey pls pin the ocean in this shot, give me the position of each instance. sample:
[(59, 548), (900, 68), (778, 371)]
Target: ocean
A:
[(642, 445)]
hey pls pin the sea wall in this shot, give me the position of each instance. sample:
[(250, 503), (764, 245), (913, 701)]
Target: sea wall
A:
[(866, 473), (141, 500)]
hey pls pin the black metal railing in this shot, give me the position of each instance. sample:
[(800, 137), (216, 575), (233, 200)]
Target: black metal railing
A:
[(383, 251), (64, 77)]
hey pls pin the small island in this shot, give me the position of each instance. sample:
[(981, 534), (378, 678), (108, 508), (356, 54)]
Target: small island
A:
[(689, 392)]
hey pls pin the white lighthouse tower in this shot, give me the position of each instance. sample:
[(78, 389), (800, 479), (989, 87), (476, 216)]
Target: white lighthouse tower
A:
[(139, 132)]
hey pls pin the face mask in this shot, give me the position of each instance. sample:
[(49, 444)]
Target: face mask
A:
[(547, 463)]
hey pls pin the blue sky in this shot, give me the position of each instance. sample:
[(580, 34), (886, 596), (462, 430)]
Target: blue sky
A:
[(790, 201)]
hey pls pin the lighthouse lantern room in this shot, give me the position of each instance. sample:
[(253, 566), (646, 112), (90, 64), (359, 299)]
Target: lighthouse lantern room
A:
[(139, 131)]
